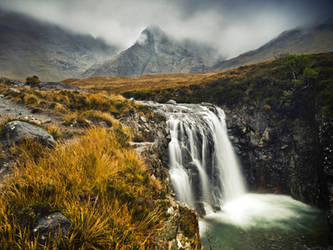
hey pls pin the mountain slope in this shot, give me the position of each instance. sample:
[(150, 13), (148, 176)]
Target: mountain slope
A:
[(29, 46), (156, 52), (316, 39)]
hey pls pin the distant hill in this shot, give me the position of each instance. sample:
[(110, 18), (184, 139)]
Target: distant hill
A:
[(310, 40), (29, 46), (156, 52)]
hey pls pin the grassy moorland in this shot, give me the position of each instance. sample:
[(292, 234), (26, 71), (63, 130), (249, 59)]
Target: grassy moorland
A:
[(119, 85), (286, 82), (74, 108), (291, 83), (96, 180), (97, 190)]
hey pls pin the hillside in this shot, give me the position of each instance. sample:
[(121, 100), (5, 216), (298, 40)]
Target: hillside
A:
[(29, 46), (83, 171), (155, 52), (279, 119), (271, 79), (310, 40)]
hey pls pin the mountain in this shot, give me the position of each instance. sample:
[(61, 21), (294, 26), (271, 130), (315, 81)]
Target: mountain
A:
[(29, 46), (156, 52), (308, 40)]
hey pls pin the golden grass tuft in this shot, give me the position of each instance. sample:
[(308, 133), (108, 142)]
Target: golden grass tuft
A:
[(66, 101), (95, 182), (87, 118)]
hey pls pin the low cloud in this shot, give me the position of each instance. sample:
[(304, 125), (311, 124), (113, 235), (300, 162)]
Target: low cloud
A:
[(231, 28)]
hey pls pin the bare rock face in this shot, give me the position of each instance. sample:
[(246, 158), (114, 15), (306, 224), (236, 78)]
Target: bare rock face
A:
[(306, 40), (180, 230), (29, 46), (17, 131), (55, 223), (153, 53)]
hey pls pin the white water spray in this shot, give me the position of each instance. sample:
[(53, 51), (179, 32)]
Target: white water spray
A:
[(203, 169), (203, 165)]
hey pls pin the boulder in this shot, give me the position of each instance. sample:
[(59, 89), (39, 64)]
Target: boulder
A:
[(55, 223), (13, 90), (17, 131), (171, 102)]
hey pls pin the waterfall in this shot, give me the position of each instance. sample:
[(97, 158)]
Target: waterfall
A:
[(205, 174), (203, 167), (199, 134)]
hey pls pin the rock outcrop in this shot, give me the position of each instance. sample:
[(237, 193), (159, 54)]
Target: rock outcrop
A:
[(52, 224), (156, 52), (17, 131), (285, 155), (180, 229)]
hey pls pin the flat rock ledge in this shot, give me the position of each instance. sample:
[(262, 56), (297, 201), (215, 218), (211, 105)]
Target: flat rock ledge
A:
[(55, 223), (17, 131)]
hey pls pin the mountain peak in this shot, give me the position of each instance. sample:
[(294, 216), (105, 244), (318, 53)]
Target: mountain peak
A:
[(152, 34), (154, 30)]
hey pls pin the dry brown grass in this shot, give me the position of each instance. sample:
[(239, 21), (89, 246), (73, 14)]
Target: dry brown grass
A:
[(95, 182), (64, 101), (118, 85)]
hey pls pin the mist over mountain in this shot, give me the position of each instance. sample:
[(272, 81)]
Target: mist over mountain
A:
[(233, 27), (157, 52), (306, 40), (29, 46)]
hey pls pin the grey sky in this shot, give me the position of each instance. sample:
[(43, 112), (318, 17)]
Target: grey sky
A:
[(233, 26)]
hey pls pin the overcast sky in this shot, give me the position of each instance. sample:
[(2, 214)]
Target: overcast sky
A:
[(233, 26)]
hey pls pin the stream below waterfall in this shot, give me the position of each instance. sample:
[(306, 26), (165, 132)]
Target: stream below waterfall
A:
[(205, 174)]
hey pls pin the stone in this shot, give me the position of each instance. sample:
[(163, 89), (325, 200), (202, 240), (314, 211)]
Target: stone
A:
[(16, 91), (200, 209), (206, 104), (171, 102), (284, 147), (143, 119), (55, 223), (17, 131), (15, 83)]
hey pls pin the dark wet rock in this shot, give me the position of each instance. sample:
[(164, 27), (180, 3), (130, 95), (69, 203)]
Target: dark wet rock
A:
[(53, 224), (200, 209), (17, 131), (180, 230), (284, 154)]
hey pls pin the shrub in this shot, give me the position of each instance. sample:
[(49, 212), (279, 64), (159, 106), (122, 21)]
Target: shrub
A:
[(33, 81)]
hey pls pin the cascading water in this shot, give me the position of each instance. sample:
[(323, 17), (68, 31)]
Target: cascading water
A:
[(200, 146), (204, 171)]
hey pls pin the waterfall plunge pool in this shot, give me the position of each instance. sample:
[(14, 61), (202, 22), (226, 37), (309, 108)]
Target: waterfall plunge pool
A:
[(264, 221), (204, 169)]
